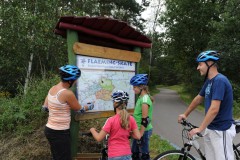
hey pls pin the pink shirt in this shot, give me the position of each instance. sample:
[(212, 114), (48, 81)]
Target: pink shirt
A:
[(118, 142)]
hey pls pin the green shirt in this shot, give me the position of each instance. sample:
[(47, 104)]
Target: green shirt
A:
[(138, 111)]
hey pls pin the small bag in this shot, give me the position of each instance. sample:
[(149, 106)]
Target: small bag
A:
[(237, 123)]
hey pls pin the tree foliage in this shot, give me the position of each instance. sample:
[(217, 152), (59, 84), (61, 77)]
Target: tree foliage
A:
[(27, 29), (195, 26)]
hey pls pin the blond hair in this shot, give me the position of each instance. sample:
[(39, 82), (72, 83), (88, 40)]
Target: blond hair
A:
[(124, 116), (145, 87)]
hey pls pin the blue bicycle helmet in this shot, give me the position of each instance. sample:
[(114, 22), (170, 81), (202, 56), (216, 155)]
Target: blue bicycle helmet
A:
[(208, 56), (139, 79), (120, 96), (69, 72)]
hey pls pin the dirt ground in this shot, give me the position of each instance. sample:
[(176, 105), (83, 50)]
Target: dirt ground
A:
[(35, 146)]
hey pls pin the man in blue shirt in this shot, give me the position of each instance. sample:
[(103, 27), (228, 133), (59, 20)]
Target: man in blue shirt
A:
[(218, 101)]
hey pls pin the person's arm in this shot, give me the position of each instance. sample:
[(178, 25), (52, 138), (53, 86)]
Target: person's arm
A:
[(71, 99), (211, 114), (45, 102), (98, 136), (195, 102), (144, 115), (136, 134), (45, 105)]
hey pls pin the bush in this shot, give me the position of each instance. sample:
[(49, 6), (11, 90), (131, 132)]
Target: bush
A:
[(22, 114), (236, 92)]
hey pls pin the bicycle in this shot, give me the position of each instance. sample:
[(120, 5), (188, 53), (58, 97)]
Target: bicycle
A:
[(103, 154), (188, 143), (104, 151)]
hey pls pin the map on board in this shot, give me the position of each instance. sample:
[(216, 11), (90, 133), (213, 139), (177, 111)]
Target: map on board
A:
[(100, 78)]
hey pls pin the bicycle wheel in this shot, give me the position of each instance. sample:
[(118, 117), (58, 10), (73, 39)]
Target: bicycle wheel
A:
[(173, 155), (236, 153)]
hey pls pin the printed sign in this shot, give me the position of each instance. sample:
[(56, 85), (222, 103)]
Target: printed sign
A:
[(85, 62), (100, 78)]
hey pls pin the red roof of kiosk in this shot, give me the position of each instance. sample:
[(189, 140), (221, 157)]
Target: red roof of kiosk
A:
[(102, 27)]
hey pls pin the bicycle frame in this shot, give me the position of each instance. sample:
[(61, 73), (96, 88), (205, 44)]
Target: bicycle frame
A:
[(236, 152), (191, 142), (104, 151), (187, 126)]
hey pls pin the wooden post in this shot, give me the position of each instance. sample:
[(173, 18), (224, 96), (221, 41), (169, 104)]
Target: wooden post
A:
[(72, 37), (137, 49)]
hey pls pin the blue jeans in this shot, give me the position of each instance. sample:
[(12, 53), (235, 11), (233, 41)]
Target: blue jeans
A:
[(144, 148), (121, 158)]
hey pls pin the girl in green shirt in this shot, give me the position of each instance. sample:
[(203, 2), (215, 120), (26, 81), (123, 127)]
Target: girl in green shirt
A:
[(143, 116)]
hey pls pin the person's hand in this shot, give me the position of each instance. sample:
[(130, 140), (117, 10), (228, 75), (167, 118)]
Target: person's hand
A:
[(44, 109), (90, 105), (92, 129), (140, 141), (181, 117), (194, 131)]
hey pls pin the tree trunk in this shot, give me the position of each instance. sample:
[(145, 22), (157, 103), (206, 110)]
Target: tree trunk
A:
[(28, 73)]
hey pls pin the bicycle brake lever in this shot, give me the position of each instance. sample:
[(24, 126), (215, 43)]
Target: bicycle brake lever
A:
[(199, 134)]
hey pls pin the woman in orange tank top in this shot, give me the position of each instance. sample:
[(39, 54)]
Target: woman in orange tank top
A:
[(59, 103)]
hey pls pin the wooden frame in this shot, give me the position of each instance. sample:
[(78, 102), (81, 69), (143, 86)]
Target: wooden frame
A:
[(105, 52), (108, 53)]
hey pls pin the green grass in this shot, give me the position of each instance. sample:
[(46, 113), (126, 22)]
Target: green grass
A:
[(22, 122), (183, 94), (158, 145), (185, 97)]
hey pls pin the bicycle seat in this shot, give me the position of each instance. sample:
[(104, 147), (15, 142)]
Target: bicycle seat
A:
[(237, 123)]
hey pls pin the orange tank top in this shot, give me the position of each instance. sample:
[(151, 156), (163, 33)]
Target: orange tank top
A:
[(59, 113)]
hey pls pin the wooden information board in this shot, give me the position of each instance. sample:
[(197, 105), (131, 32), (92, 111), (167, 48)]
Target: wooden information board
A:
[(104, 71)]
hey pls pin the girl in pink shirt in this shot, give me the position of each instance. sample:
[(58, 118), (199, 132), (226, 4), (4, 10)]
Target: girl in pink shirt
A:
[(119, 127)]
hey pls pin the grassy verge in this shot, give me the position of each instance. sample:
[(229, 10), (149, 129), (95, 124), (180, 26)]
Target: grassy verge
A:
[(187, 99), (158, 145), (185, 96)]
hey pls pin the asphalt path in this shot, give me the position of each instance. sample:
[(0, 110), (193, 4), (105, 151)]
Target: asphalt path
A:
[(167, 107)]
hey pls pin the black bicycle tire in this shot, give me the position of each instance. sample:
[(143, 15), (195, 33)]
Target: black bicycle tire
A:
[(238, 147), (172, 152)]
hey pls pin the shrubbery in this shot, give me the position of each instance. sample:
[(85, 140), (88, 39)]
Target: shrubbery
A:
[(22, 114)]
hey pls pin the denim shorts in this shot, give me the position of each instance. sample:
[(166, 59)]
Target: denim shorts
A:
[(128, 157), (145, 143)]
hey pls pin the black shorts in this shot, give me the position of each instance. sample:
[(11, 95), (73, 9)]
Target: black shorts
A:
[(59, 141)]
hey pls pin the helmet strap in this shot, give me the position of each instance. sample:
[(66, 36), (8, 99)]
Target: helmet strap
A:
[(70, 83), (208, 70), (141, 88)]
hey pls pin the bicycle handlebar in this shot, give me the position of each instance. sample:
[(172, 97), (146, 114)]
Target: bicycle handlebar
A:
[(85, 134), (190, 125)]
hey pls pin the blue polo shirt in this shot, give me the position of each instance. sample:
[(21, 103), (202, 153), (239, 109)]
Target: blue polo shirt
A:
[(219, 88)]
